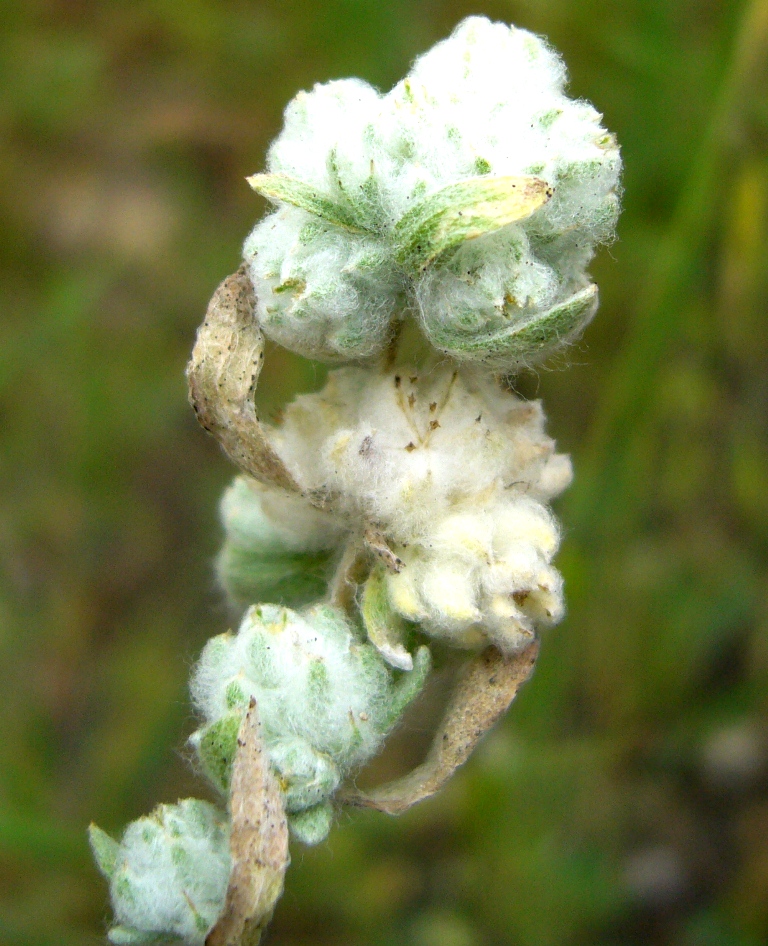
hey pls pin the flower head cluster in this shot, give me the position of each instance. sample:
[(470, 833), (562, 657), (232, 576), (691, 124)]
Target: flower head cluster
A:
[(397, 503), (454, 473), (474, 192)]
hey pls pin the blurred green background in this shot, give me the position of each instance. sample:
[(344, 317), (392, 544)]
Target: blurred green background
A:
[(625, 798)]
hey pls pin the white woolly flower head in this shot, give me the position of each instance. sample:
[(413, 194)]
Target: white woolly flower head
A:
[(475, 192), (326, 698), (451, 474), (401, 449), (168, 875), (474, 576)]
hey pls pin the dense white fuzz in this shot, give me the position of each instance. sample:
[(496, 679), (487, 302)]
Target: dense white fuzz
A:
[(485, 574), (455, 473), (370, 216), (401, 449), (168, 875), (326, 699)]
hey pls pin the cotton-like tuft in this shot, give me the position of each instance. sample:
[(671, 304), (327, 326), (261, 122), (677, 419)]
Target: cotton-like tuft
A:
[(402, 449), (455, 473), (484, 575), (370, 224)]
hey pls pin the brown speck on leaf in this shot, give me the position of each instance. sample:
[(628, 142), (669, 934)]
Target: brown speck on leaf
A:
[(410, 447), (365, 446), (434, 424), (414, 379), (433, 407), (411, 399), (398, 379)]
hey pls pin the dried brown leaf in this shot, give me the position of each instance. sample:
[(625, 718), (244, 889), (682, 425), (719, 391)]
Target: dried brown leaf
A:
[(258, 843), (482, 695), (222, 374)]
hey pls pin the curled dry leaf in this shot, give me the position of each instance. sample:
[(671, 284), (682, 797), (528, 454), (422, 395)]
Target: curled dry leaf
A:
[(482, 695), (222, 374), (258, 842)]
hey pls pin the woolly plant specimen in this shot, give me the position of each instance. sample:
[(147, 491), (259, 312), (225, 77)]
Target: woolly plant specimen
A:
[(403, 510)]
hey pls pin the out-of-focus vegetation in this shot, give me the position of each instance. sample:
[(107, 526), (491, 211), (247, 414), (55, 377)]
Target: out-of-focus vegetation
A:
[(625, 798)]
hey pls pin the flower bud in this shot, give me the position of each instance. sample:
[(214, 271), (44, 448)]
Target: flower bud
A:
[(482, 575), (326, 699), (168, 875)]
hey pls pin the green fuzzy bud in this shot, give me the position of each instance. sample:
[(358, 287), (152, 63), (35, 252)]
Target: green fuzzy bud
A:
[(326, 700), (312, 825), (276, 547), (528, 337), (168, 875)]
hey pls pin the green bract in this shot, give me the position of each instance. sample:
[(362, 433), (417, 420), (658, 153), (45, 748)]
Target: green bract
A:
[(277, 546)]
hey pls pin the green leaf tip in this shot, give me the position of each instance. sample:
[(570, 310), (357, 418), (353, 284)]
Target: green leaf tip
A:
[(312, 825), (410, 684), (128, 936), (106, 851), (216, 749), (465, 211), (384, 626), (289, 190)]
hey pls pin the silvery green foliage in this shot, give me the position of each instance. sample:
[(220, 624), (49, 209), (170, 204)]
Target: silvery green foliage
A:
[(456, 473), (168, 875), (398, 200), (276, 546), (326, 701)]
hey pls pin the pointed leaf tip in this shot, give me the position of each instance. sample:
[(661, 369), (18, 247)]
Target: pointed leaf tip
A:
[(289, 190), (106, 851)]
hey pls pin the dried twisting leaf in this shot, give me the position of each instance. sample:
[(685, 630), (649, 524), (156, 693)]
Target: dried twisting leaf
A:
[(482, 695), (258, 844), (222, 374)]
